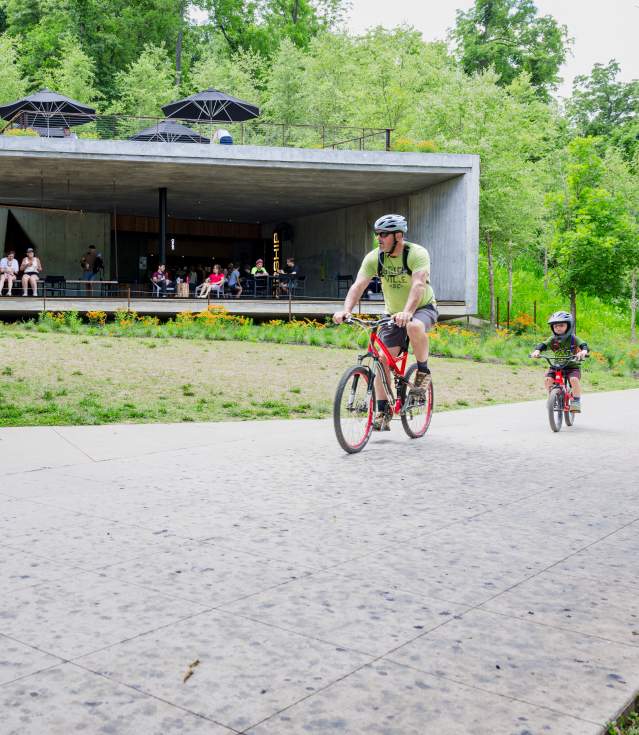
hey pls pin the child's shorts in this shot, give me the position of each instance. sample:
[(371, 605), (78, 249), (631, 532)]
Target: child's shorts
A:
[(569, 372)]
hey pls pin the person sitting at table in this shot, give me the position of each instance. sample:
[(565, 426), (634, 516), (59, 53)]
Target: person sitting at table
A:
[(234, 284), (258, 270), (290, 270), (30, 267), (215, 283), (8, 271), (161, 280), (223, 137)]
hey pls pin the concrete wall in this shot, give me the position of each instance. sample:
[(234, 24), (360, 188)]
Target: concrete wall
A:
[(61, 238), (443, 218)]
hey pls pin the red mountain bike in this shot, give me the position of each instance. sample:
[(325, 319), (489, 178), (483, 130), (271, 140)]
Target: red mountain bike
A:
[(354, 403), (560, 396)]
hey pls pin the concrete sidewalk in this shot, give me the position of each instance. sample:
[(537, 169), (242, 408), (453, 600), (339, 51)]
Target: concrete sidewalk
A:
[(481, 580)]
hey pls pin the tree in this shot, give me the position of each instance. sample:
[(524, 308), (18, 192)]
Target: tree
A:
[(12, 83), (511, 130), (111, 32), (509, 37), (285, 87), (74, 75), (260, 25), (600, 102), (592, 230), (146, 84), (237, 74), (622, 181), (601, 105)]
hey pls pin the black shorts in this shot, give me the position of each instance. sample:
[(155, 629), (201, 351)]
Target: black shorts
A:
[(394, 336), (571, 372)]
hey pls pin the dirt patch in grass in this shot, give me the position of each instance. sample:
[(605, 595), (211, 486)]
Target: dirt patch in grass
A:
[(54, 379)]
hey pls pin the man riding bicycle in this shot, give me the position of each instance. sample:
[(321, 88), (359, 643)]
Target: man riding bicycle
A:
[(404, 269)]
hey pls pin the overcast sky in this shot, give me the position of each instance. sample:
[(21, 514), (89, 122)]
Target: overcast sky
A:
[(601, 30)]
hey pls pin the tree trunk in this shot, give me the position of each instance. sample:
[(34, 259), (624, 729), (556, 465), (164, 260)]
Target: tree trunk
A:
[(573, 306), (491, 279), (296, 10), (510, 281), (178, 48), (546, 267), (633, 306)]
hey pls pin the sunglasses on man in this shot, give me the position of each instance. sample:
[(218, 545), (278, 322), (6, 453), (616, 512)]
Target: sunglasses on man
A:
[(384, 234)]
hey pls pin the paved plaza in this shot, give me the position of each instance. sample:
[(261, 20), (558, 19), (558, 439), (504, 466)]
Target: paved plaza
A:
[(252, 578)]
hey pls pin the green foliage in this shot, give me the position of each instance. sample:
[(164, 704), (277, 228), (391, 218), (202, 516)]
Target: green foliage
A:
[(238, 75), (285, 85), (509, 37), (600, 104), (146, 85), (593, 232), (259, 25), (112, 33), (12, 83), (74, 75)]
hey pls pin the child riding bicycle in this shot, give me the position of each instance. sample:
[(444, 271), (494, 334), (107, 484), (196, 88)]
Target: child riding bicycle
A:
[(564, 342)]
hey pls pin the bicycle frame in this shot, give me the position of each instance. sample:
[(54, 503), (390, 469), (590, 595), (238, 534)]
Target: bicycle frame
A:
[(397, 367), (561, 380)]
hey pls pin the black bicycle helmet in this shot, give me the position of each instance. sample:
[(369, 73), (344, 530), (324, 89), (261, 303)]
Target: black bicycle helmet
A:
[(562, 317)]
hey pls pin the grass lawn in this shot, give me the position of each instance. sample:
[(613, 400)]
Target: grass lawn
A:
[(54, 378), (628, 725)]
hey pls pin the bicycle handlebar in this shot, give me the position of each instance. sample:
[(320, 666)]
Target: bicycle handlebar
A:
[(368, 324), (560, 363)]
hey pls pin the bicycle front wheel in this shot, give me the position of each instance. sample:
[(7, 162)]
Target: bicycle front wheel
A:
[(353, 409), (555, 406), (569, 416), (417, 410)]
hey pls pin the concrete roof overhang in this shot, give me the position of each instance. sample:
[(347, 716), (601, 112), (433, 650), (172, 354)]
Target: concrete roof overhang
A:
[(210, 182)]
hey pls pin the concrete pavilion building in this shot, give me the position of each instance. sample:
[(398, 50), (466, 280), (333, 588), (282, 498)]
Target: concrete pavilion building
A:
[(139, 202)]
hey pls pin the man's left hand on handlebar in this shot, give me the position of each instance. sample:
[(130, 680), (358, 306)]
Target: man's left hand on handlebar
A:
[(402, 318), (582, 354)]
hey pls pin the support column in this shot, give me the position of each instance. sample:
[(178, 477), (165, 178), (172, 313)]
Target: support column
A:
[(163, 220)]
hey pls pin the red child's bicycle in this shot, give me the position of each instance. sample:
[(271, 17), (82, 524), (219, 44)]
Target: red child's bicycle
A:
[(560, 396), (354, 403)]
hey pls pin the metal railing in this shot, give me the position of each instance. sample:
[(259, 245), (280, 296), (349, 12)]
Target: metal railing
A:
[(252, 132)]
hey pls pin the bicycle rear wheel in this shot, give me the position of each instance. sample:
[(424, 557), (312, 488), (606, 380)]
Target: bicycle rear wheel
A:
[(353, 409), (555, 406), (417, 411)]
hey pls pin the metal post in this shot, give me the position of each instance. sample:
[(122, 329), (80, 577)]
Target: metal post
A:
[(535, 312), (508, 314), (128, 298), (497, 311), (290, 297), (388, 139), (162, 217)]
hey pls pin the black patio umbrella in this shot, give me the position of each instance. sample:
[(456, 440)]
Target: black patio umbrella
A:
[(213, 106), (47, 109), (170, 132)]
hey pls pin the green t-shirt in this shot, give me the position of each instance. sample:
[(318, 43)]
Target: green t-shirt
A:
[(563, 346), (396, 285)]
